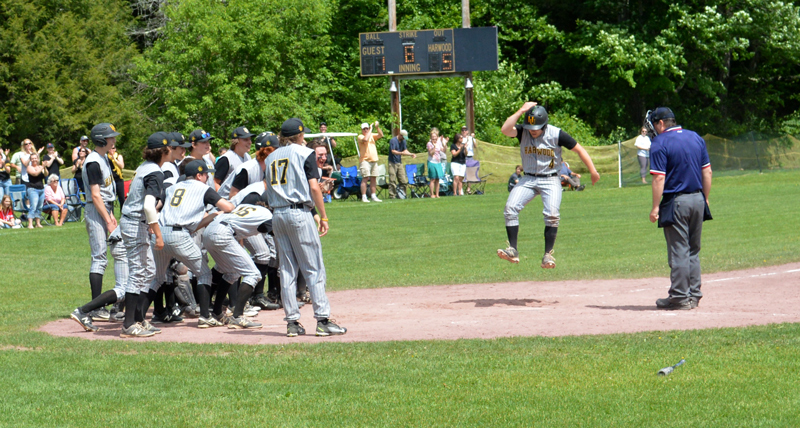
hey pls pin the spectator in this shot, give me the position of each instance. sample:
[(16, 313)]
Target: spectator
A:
[(458, 166), (77, 167), (21, 160), (368, 160), (5, 173), (435, 155), (7, 219), (514, 179), (52, 161), (325, 171), (330, 143), (643, 144), (472, 148), (36, 176), (569, 178), (84, 141), (397, 172), (117, 164), (54, 196)]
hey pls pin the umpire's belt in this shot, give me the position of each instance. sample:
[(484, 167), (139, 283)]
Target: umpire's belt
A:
[(552, 174), (687, 193), (225, 223)]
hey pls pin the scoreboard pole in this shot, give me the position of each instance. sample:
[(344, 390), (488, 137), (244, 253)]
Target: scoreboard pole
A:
[(469, 100), (394, 82)]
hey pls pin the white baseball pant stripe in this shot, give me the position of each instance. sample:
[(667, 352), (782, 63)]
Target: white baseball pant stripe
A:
[(98, 235), (141, 264), (298, 246), (526, 190), (231, 259)]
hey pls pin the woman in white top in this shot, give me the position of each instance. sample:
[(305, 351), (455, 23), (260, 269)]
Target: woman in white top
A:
[(643, 144)]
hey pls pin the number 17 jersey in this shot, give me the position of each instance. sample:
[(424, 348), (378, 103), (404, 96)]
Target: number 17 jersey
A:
[(288, 170)]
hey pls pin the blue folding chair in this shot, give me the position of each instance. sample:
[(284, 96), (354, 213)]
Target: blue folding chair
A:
[(416, 188), (19, 199), (351, 183), (75, 203)]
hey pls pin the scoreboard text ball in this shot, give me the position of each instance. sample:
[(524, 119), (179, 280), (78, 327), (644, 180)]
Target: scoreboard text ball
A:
[(450, 50)]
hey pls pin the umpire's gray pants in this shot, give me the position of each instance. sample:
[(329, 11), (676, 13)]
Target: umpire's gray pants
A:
[(141, 264), (527, 189), (299, 246), (230, 258), (683, 247), (180, 245), (98, 234)]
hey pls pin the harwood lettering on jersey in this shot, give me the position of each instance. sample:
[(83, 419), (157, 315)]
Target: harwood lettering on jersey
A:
[(540, 152)]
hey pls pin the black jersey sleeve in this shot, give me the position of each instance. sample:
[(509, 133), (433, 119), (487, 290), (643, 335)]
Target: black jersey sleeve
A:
[(167, 174), (221, 168), (94, 174), (265, 227), (241, 180), (251, 199), (519, 129), (566, 140), (310, 166), (154, 184), (211, 197)]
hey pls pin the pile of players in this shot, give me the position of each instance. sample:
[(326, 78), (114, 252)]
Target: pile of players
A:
[(260, 218)]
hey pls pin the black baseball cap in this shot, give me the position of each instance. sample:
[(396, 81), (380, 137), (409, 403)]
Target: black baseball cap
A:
[(158, 140), (661, 113), (241, 132), (292, 127), (195, 167), (176, 139), (198, 135), (266, 139)]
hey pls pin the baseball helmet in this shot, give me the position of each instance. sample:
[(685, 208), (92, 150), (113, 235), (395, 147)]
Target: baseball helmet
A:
[(102, 131), (535, 118)]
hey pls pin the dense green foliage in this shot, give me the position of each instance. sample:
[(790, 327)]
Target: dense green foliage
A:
[(725, 66)]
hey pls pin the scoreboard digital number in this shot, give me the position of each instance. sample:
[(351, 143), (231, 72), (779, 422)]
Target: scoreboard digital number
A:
[(407, 52)]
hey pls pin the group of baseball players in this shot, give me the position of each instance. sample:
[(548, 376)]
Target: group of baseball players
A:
[(259, 218)]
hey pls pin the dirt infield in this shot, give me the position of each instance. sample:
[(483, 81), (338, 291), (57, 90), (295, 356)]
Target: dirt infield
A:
[(732, 299)]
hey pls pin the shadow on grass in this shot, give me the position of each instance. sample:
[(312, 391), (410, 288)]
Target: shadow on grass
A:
[(625, 308)]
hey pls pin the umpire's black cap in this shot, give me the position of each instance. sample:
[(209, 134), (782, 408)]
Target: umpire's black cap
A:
[(158, 140), (198, 135), (661, 113), (195, 167), (292, 127), (266, 139), (241, 132)]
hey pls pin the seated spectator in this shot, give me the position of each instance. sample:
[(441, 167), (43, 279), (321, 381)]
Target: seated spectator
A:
[(325, 169), (54, 196), (514, 179), (7, 219), (36, 175), (569, 178)]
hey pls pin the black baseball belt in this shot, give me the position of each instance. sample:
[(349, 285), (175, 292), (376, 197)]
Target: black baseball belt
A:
[(552, 174)]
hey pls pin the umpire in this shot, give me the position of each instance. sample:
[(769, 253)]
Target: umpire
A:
[(681, 170)]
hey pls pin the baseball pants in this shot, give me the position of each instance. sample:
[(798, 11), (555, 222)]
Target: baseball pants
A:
[(98, 234), (141, 263), (230, 258), (259, 249), (528, 187), (299, 247), (683, 246), (121, 268), (180, 245), (397, 173)]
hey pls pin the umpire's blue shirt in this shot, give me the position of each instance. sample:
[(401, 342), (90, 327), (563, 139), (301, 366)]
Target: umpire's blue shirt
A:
[(681, 156)]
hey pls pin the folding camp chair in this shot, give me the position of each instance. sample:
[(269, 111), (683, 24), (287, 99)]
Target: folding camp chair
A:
[(417, 175), (446, 182), (381, 182), (74, 202), (19, 199), (473, 178), (351, 183)]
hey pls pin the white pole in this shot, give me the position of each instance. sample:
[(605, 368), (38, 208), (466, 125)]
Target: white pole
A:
[(619, 162)]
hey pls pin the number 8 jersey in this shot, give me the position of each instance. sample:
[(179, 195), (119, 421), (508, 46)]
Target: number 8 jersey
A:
[(185, 204), (288, 170)]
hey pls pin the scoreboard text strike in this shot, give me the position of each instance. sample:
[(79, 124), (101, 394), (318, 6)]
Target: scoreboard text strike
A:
[(426, 51), (407, 52)]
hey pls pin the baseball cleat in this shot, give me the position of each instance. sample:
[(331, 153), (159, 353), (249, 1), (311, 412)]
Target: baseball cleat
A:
[(670, 305), (328, 327), (509, 254), (548, 261), (208, 322), (83, 319), (136, 330), (242, 322), (265, 303), (149, 327), (100, 314), (250, 311), (294, 328)]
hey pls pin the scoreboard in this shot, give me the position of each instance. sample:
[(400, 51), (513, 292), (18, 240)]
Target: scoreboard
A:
[(440, 51)]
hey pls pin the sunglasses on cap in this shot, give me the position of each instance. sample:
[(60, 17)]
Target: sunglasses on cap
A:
[(204, 135)]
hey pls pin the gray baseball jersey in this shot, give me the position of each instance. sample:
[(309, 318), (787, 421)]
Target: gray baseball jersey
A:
[(185, 204), (246, 219), (107, 189), (540, 155), (134, 204), (258, 188), (254, 174), (286, 176), (234, 160), (170, 167)]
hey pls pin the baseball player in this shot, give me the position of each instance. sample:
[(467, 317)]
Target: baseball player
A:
[(182, 215), (251, 171), (238, 154), (100, 197), (201, 147), (231, 260), (292, 189), (540, 147), (82, 314), (139, 217), (177, 149)]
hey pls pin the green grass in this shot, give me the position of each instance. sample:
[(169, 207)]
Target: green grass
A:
[(733, 377)]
